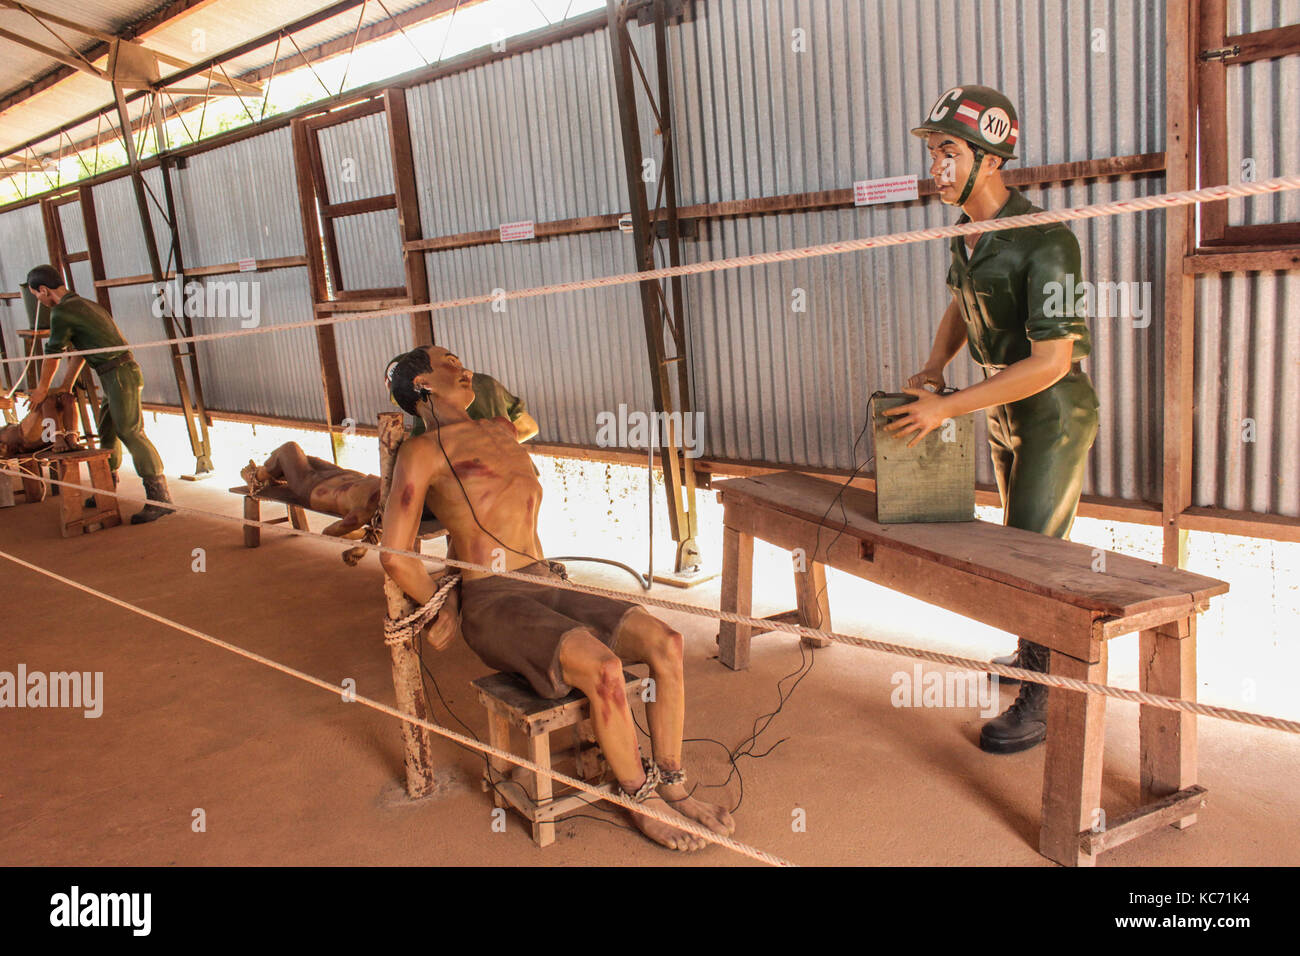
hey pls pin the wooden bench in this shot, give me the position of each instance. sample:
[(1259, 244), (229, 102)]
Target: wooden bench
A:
[(297, 514), (510, 702), (1069, 597), (77, 513), (29, 484)]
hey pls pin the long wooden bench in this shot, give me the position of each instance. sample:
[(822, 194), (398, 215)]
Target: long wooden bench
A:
[(1070, 597)]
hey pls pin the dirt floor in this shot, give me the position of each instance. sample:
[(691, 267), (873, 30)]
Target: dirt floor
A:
[(286, 773)]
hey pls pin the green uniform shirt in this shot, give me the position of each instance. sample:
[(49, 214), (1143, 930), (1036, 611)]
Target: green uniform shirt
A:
[(1005, 288), (78, 323), (491, 400)]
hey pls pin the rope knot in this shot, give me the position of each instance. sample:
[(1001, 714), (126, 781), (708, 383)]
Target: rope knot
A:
[(405, 630)]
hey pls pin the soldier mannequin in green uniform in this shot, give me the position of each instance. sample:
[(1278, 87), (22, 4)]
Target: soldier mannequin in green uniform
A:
[(77, 323), (1041, 407)]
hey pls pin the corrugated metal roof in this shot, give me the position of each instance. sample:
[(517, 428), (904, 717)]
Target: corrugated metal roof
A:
[(194, 35)]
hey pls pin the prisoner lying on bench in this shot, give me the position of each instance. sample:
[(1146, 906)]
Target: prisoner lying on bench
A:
[(301, 481)]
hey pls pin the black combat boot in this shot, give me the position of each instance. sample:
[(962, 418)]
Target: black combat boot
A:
[(1009, 660), (155, 489), (1024, 723)]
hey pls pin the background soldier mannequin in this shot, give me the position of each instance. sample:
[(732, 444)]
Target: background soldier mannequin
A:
[(1041, 408), (77, 323)]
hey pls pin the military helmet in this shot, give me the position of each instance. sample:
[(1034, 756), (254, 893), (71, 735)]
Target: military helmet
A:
[(980, 115)]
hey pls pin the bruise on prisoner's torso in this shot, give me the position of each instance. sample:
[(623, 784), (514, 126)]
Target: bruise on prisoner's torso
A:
[(344, 492), (498, 478)]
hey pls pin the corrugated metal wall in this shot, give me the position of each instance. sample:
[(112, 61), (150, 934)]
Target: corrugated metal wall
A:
[(257, 373), (240, 201), (754, 117), (1247, 392), (568, 356), (260, 372), (533, 136), (121, 235), (22, 245)]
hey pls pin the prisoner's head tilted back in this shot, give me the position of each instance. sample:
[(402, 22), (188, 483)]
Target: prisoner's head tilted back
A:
[(979, 115)]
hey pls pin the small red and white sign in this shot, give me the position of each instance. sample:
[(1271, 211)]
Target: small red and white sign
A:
[(247, 265), (870, 192), (515, 231)]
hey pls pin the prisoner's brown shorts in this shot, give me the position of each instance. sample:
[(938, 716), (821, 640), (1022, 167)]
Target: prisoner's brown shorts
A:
[(517, 626)]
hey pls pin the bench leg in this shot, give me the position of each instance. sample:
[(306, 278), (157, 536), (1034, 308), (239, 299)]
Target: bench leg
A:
[(1167, 666), (737, 597), (252, 512), (813, 602), (539, 752), (1076, 724), (7, 485), (72, 500), (107, 510), (298, 518), (499, 737), (33, 488)]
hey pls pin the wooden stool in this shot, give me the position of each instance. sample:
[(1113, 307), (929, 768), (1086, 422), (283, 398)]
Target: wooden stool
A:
[(32, 488), (510, 701), (75, 515)]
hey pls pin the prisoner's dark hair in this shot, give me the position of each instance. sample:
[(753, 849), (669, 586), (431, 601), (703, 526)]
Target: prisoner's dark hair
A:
[(401, 374), (44, 275)]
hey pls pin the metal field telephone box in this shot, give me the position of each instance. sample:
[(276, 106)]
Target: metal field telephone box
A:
[(935, 480)]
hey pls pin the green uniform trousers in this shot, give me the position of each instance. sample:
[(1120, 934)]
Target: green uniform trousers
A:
[(121, 422), (1040, 450)]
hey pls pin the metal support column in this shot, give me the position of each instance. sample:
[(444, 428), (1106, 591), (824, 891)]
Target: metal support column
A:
[(196, 419), (664, 312)]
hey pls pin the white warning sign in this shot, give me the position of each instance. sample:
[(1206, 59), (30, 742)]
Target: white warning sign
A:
[(515, 231), (869, 192)]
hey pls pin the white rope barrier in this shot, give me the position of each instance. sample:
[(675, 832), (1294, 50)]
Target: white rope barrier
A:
[(902, 650), (1138, 204)]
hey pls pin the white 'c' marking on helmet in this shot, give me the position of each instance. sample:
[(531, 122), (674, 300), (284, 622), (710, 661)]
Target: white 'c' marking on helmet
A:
[(940, 108)]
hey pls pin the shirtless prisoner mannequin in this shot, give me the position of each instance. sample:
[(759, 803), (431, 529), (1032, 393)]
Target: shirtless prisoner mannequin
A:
[(320, 485), (482, 485), (30, 434), (324, 486)]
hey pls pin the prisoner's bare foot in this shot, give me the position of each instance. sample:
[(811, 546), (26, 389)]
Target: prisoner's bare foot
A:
[(255, 477), (711, 815), (662, 833)]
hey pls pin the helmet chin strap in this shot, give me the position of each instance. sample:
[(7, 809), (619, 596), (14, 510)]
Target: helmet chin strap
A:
[(970, 180)]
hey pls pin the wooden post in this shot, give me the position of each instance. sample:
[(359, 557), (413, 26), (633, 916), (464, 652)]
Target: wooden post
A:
[(407, 682), (1180, 290)]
